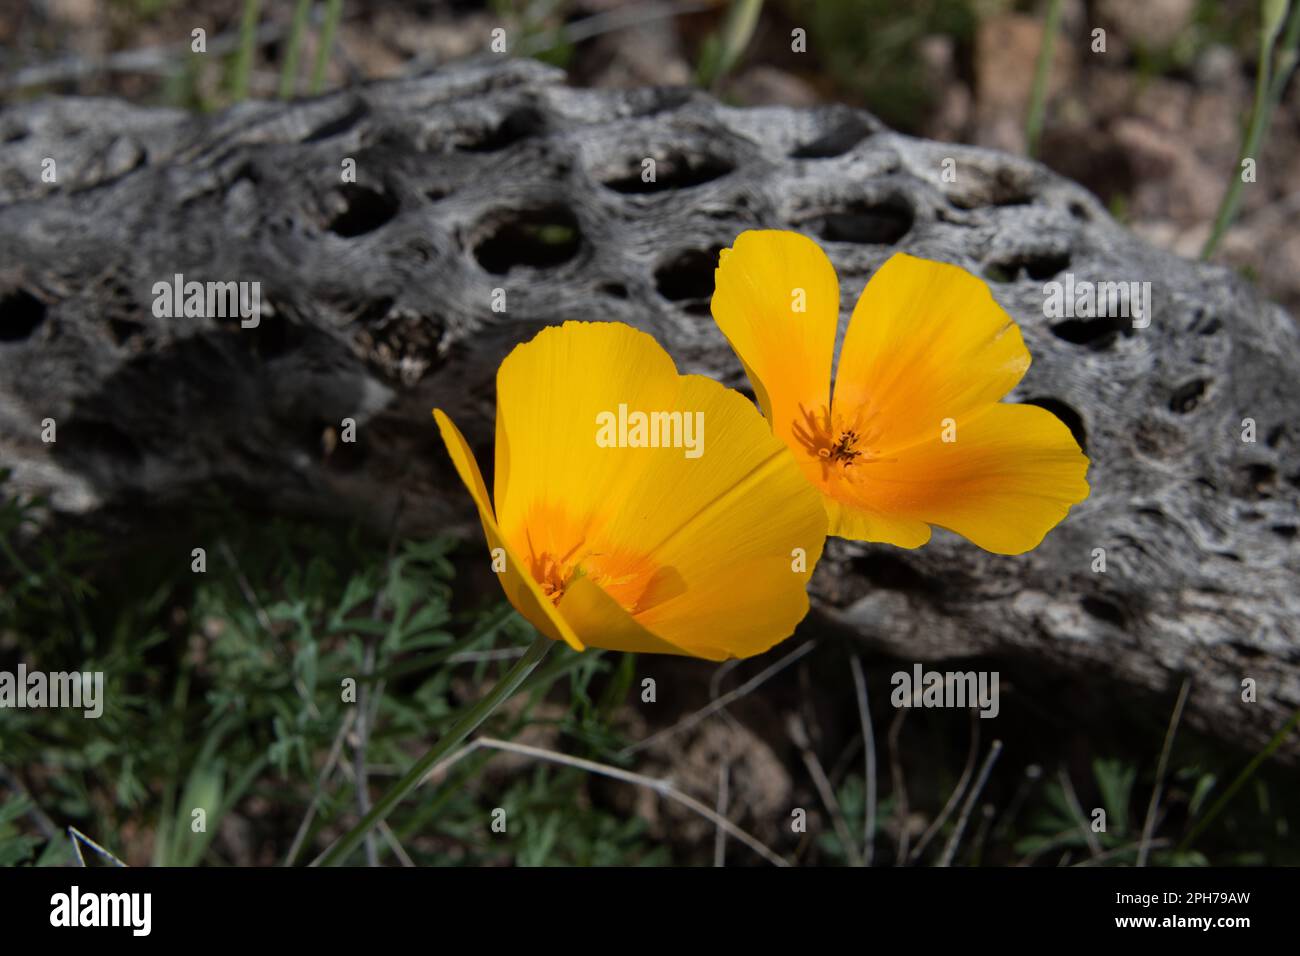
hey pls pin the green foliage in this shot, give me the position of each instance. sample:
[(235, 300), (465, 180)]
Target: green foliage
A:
[(223, 692), (16, 847), (1054, 827), (1048, 830)]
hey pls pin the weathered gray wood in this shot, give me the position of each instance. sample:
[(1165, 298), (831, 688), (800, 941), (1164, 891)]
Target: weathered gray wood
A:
[(378, 306)]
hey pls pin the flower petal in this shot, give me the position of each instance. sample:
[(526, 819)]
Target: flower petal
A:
[(1009, 477), (603, 623), (926, 342), (681, 549), (521, 590), (760, 284), (550, 391), (857, 520), (725, 527)]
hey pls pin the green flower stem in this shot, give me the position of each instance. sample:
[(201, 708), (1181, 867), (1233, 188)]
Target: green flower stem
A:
[(466, 725)]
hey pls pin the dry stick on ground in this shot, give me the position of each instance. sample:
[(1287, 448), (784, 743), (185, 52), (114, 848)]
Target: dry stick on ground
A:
[(799, 734), (369, 700), (719, 675), (715, 689), (1149, 826), (950, 851), (714, 706), (382, 826), (78, 838), (1072, 798), (869, 754), (391, 839), (661, 787), (837, 771), (1033, 773), (246, 589), (957, 792), (360, 775), (987, 813), (724, 791), (806, 711), (335, 749), (898, 785), (720, 835)]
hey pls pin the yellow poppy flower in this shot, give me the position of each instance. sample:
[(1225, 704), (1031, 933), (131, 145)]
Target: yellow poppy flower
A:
[(914, 433), (691, 535)]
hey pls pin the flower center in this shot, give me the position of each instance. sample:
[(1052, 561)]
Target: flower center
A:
[(553, 574), (840, 444), (632, 580)]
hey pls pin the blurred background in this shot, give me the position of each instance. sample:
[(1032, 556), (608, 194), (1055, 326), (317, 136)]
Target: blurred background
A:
[(226, 681)]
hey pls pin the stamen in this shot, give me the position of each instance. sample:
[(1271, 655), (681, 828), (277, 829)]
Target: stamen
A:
[(556, 565), (836, 443)]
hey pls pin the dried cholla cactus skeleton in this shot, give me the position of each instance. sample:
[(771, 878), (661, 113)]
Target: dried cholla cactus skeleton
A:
[(488, 202)]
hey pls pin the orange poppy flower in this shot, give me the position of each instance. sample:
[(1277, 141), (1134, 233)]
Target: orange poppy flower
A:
[(914, 433), (618, 525)]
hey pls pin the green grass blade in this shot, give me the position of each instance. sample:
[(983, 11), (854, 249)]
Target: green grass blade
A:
[(723, 52), (1268, 90), (1237, 784), (244, 55), (333, 13), (289, 72), (1042, 76)]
